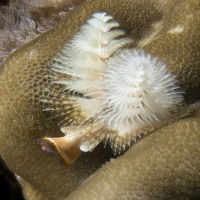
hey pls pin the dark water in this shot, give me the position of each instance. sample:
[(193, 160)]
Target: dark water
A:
[(9, 187), (4, 2)]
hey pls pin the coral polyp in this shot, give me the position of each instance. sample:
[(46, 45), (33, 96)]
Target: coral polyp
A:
[(112, 94)]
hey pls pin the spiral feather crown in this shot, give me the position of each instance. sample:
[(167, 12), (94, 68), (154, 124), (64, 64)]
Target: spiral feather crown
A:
[(112, 93)]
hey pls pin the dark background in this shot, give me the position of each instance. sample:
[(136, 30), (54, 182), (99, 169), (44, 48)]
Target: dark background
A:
[(9, 187), (4, 2)]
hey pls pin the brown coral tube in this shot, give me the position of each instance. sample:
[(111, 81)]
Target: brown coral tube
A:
[(149, 168)]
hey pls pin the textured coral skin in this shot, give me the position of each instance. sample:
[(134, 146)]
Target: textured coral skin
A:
[(24, 82), (149, 168), (186, 49)]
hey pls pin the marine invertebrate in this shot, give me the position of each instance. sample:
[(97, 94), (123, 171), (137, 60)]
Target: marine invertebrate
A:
[(23, 77), (110, 94)]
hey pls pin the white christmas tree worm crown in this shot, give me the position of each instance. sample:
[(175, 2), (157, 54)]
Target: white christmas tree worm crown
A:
[(111, 93)]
